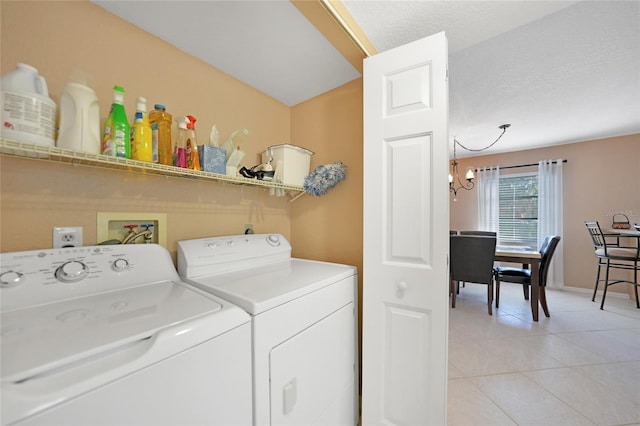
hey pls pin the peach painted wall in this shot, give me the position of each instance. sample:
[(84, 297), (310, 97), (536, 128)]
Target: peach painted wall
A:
[(600, 178), (63, 37), (329, 227)]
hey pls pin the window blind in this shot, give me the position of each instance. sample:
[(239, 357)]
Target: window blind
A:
[(518, 209)]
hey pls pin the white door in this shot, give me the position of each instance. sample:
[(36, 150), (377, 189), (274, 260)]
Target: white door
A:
[(406, 243)]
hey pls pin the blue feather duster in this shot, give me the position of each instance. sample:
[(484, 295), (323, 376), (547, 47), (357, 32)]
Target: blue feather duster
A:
[(324, 177)]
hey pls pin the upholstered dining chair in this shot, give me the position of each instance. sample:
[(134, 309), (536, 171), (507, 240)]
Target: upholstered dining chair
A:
[(477, 233), (481, 233), (612, 255), (523, 275), (471, 261)]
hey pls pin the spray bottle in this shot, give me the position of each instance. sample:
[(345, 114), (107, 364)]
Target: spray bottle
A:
[(193, 159), (141, 139), (180, 153), (116, 136)]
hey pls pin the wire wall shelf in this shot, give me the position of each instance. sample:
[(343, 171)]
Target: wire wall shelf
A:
[(61, 155)]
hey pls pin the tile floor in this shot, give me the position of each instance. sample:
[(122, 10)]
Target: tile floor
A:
[(581, 366)]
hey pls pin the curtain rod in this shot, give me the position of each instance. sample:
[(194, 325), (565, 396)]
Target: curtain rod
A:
[(521, 165)]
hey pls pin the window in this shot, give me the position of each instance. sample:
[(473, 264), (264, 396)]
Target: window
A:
[(518, 212)]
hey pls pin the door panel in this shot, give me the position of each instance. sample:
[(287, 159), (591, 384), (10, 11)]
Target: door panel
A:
[(406, 243), (406, 369), (409, 89), (405, 223)]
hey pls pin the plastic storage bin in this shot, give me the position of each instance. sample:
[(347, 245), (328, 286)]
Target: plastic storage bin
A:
[(294, 160)]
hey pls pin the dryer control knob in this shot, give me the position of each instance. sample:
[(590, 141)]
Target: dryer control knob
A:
[(72, 271), (120, 265), (10, 278), (274, 240)]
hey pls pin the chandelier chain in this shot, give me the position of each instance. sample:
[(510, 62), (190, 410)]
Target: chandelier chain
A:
[(454, 177), (504, 128)]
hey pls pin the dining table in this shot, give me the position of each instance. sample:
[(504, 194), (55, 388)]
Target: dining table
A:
[(622, 232), (524, 256), (630, 233)]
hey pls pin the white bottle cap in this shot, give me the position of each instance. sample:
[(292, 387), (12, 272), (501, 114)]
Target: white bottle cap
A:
[(182, 122), (141, 104)]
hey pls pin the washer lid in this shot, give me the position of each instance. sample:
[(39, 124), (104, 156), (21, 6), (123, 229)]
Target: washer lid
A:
[(264, 287), (44, 338)]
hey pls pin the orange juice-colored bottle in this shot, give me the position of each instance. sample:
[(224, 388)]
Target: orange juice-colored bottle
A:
[(161, 121)]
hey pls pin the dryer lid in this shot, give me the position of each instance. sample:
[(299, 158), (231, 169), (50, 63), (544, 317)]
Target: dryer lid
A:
[(264, 287), (41, 339)]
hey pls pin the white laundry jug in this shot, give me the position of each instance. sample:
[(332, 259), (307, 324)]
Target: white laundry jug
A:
[(27, 113), (79, 119)]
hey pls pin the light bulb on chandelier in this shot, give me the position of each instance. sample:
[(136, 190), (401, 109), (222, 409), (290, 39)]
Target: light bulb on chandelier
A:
[(469, 176)]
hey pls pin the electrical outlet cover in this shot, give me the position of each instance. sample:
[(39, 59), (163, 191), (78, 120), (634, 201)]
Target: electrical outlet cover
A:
[(67, 237)]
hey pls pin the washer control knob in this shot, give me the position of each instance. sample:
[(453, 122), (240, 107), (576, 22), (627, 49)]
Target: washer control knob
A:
[(10, 278), (274, 240), (72, 271), (120, 265)]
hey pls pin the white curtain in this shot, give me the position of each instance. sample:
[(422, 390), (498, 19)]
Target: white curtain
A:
[(488, 185), (550, 213)]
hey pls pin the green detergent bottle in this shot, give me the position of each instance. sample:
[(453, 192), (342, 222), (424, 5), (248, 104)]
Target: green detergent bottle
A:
[(116, 136)]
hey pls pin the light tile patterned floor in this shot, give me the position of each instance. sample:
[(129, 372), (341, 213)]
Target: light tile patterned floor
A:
[(581, 366)]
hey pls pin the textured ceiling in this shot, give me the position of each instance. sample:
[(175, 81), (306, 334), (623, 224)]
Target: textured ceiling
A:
[(558, 71), (389, 24)]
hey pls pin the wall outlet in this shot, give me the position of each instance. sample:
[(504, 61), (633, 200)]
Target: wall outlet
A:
[(248, 228), (67, 237)]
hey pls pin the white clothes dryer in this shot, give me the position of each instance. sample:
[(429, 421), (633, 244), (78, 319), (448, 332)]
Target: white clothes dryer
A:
[(110, 335), (304, 324)]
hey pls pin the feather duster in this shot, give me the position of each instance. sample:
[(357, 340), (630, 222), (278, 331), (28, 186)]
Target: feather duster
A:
[(324, 177)]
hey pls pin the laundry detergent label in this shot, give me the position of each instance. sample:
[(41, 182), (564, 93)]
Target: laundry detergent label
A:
[(154, 142), (27, 114)]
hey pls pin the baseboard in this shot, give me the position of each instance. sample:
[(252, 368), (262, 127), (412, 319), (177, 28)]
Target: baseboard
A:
[(590, 291)]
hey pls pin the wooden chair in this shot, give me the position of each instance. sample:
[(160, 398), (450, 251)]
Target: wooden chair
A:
[(523, 275), (612, 255), (472, 259)]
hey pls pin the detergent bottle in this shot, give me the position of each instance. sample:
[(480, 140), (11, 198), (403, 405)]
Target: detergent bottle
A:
[(27, 113), (79, 119), (116, 136), (160, 121), (193, 159), (141, 139), (180, 154)]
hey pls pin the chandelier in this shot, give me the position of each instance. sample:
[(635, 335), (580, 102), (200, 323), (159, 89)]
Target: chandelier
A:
[(469, 176)]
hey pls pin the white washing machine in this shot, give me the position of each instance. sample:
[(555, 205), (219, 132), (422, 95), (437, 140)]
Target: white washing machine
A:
[(110, 335), (304, 324)]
